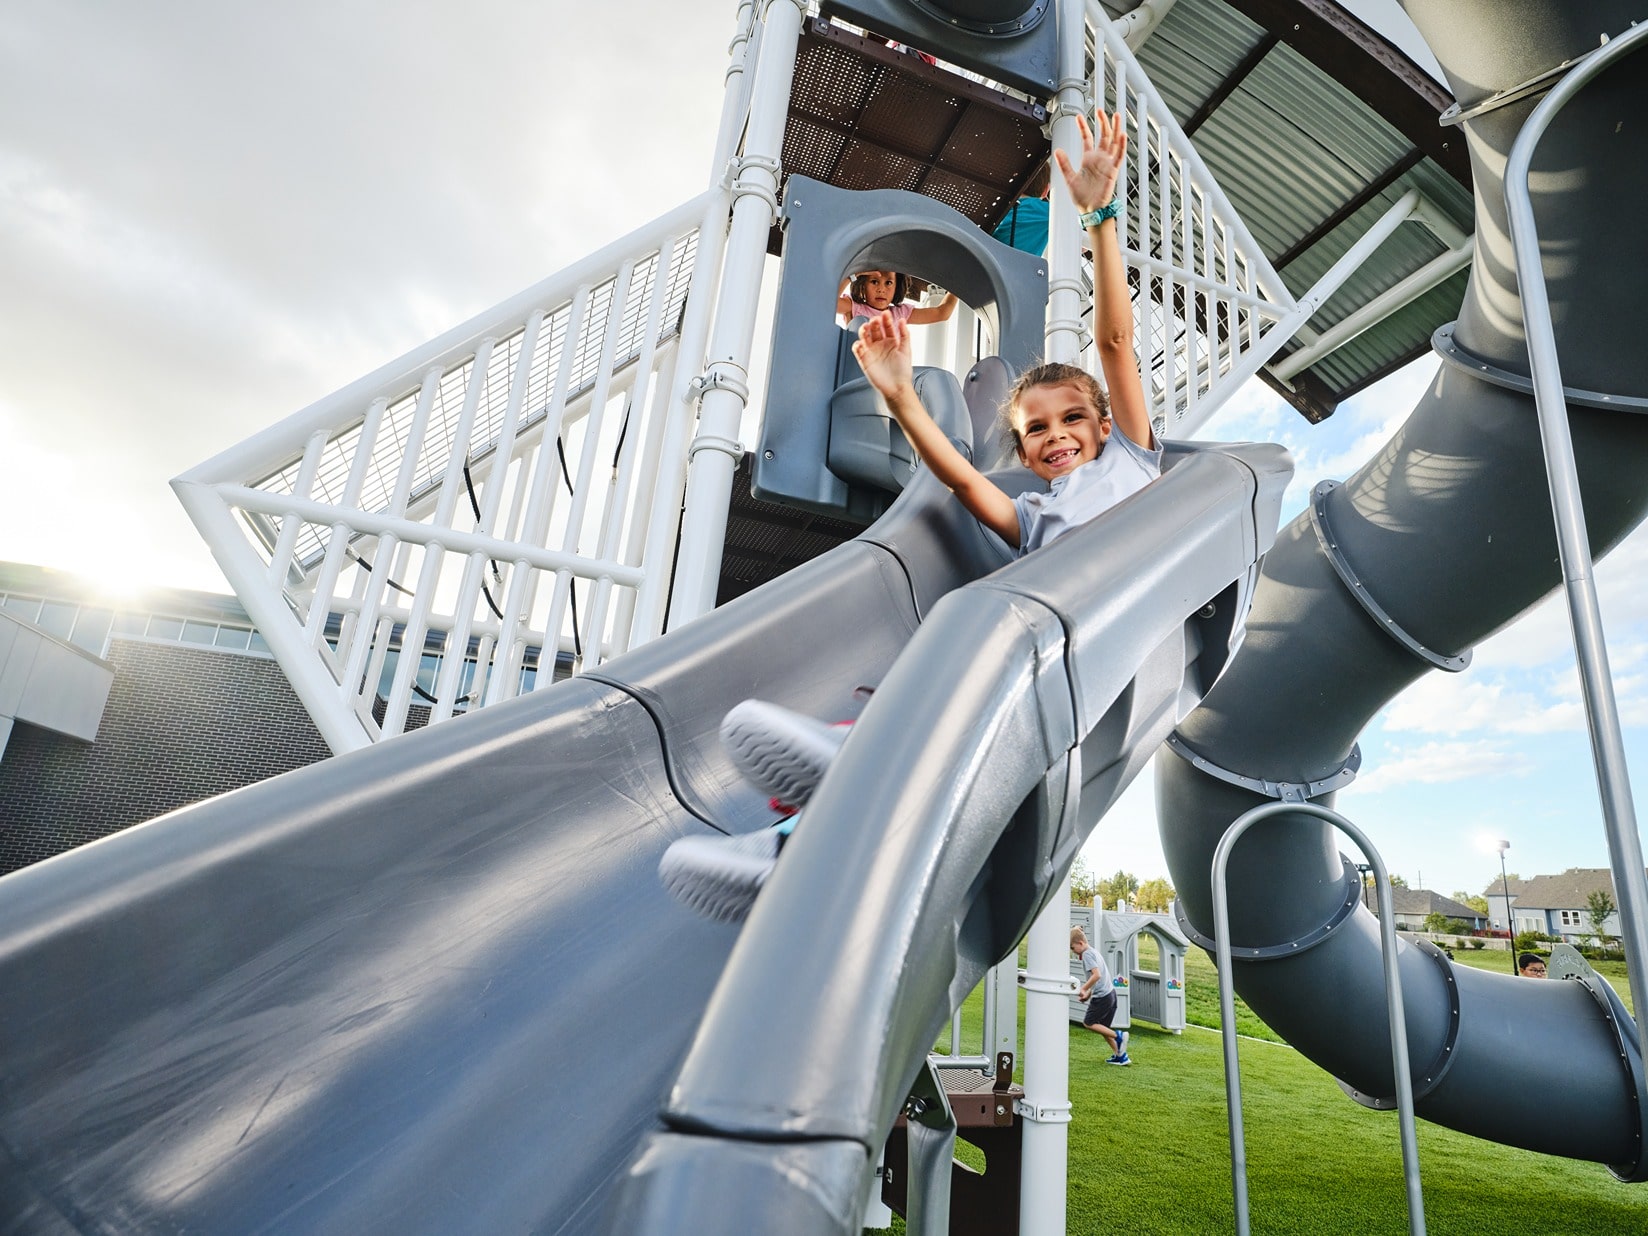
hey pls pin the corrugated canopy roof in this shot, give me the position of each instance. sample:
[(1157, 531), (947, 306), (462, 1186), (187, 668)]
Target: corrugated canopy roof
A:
[(1314, 126)]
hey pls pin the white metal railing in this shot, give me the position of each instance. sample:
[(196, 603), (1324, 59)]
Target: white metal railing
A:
[(442, 532), (1210, 298), (1212, 311)]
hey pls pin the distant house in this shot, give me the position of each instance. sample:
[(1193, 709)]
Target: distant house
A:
[(1559, 905), (1499, 904), (1413, 905)]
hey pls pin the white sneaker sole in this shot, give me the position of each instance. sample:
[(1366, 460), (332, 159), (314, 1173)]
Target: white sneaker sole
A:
[(719, 877), (783, 752)]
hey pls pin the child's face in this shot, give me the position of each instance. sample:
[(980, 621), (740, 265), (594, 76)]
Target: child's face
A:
[(879, 286), (1059, 430)]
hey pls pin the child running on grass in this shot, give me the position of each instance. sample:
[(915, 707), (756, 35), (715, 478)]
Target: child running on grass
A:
[(1098, 992), (1064, 430)]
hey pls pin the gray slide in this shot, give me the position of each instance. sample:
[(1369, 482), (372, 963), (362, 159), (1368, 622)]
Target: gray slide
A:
[(435, 987), (1450, 530)]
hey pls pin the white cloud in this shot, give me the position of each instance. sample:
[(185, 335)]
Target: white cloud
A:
[(1433, 763), (217, 214)]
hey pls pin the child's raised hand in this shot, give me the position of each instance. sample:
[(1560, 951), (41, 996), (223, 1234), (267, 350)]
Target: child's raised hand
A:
[(1104, 155), (883, 353)]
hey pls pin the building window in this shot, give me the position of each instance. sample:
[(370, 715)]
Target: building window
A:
[(1570, 918), (26, 608), (199, 632), (91, 630), (233, 637), (57, 619)]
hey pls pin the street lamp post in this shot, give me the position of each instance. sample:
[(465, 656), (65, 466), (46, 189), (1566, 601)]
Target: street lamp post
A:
[(1364, 869), (1505, 891)]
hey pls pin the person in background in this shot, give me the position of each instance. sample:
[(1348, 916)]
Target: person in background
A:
[(1098, 992), (1530, 965), (870, 293), (1025, 225)]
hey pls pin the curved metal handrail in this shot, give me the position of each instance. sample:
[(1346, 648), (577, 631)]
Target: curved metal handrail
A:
[(1393, 999)]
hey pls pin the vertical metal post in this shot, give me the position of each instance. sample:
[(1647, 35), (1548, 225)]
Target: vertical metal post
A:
[(1065, 286), (1393, 1002), (715, 450), (1505, 892), (1573, 540), (1046, 1104), (1045, 1107), (658, 544)]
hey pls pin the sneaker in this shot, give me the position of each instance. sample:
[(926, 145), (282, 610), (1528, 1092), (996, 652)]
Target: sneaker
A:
[(782, 751), (1123, 1058), (720, 877)]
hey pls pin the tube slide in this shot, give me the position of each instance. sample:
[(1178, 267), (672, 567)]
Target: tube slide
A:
[(435, 985), (1450, 532), (944, 824)]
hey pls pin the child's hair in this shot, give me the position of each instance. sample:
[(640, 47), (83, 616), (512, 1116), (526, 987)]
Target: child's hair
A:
[(856, 289), (1076, 933), (1038, 182), (1049, 373)]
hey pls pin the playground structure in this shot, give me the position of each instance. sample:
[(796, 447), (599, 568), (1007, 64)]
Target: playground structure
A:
[(358, 997), (1155, 996)]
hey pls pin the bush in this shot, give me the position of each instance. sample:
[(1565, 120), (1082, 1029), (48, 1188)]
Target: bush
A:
[(1479, 943)]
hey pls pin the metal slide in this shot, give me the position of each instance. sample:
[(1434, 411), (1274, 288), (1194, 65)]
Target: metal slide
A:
[(435, 986), (1449, 531)]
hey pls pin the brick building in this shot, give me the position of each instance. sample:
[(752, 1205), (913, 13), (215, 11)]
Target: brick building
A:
[(196, 707)]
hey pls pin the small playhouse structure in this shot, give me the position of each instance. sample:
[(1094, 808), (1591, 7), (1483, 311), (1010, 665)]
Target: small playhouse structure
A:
[(1156, 996)]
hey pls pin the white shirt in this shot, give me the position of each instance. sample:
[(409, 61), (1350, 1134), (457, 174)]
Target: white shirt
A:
[(1123, 467)]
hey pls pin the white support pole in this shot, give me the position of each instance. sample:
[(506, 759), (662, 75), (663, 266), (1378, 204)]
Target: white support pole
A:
[(1064, 283), (715, 450), (658, 545), (735, 91), (1138, 24), (1045, 1107)]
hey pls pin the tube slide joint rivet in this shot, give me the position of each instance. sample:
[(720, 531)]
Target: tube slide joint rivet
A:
[(1284, 791), (1455, 357), (1288, 948), (1353, 583)]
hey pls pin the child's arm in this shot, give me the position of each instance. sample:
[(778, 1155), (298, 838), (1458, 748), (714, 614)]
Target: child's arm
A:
[(1085, 992), (940, 312), (883, 352), (1093, 185), (843, 302)]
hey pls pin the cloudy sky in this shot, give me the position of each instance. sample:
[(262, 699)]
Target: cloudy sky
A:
[(213, 214)]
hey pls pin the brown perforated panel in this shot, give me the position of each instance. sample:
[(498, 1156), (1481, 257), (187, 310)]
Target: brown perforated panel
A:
[(866, 116)]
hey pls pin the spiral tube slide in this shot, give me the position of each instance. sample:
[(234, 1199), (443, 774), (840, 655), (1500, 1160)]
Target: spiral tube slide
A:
[(1448, 529)]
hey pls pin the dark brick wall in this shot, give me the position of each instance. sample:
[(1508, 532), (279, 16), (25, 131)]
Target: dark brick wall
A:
[(182, 724)]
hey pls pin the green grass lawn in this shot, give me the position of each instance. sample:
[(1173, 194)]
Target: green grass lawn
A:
[(1150, 1150)]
